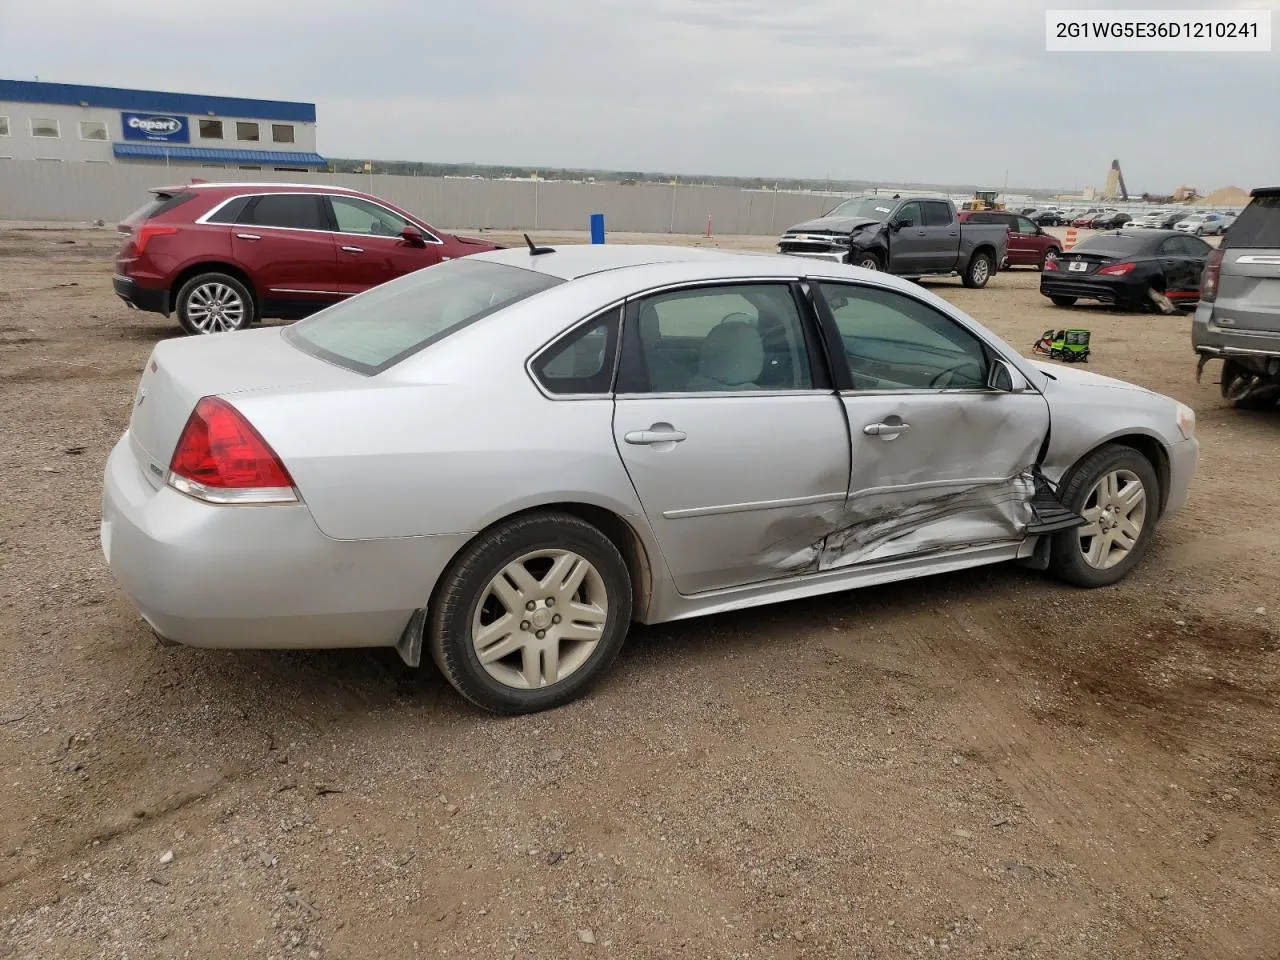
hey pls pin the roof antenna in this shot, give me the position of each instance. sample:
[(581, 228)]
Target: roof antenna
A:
[(534, 250)]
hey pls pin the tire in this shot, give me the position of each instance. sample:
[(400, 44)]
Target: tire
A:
[(1082, 493), (978, 272), (1064, 301), (233, 301), (1051, 254), (867, 261), (466, 601)]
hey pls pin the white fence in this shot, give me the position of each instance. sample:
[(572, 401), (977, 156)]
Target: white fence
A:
[(46, 190)]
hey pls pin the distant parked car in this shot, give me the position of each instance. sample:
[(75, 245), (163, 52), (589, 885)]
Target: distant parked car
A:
[(1126, 267), (1029, 245), (1086, 217), (1153, 220), (1228, 219), (1049, 218), (502, 462), (1201, 224), (222, 255), (1111, 221)]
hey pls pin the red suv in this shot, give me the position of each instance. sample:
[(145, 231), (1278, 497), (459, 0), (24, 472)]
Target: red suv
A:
[(1029, 244), (222, 255)]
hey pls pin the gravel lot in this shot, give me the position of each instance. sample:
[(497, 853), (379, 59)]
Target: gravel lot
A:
[(980, 765)]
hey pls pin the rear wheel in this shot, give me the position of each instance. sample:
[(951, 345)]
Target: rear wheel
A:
[(979, 271), (1117, 492), (1063, 301), (214, 303), (531, 614)]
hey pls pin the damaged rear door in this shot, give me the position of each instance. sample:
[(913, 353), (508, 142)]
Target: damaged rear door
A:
[(940, 461)]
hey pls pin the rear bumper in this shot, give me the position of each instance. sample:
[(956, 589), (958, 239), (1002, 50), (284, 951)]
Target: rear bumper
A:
[(1052, 285), (258, 576), (142, 298), (1255, 347)]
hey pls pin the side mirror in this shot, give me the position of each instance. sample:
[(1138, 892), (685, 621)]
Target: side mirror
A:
[(1005, 378), (898, 223), (413, 236)]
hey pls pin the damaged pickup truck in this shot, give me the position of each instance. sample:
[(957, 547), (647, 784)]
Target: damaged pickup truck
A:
[(907, 236)]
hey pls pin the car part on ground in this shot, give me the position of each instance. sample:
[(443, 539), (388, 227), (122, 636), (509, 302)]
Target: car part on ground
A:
[(224, 255), (391, 472), (907, 236), (1238, 320), (1128, 269), (1069, 346)]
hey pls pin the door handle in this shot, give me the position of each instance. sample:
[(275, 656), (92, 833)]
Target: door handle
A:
[(354, 249), (654, 436), (919, 233), (248, 236), (885, 429), (953, 233)]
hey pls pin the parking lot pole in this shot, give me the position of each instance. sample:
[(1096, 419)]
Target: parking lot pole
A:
[(597, 228)]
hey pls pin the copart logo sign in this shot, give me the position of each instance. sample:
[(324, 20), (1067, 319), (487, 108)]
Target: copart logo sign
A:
[(154, 126)]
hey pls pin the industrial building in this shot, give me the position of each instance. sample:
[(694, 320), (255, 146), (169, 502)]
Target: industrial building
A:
[(70, 123)]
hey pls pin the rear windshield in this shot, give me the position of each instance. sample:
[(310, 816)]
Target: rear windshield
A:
[(1111, 245), (1257, 226), (381, 327), (157, 205)]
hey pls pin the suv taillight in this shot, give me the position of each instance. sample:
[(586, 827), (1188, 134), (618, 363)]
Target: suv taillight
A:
[(221, 458), (1209, 279), (148, 230)]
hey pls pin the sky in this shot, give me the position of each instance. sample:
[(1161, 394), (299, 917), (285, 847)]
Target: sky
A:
[(941, 91)]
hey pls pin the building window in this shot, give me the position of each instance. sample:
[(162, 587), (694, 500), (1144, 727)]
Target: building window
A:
[(214, 166), (292, 170), (210, 129), (45, 128), (50, 159), (4, 126), (93, 130), (97, 161), (282, 132), (242, 167), (246, 131)]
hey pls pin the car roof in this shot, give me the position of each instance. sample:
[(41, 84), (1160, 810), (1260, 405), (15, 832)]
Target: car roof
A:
[(570, 261), (1264, 191), (256, 185)]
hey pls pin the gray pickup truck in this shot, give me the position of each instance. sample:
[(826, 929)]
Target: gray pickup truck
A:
[(907, 236)]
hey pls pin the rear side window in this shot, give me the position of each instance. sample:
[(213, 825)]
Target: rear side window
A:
[(936, 214), (1112, 245), (381, 327), (582, 361), (230, 211), (299, 211), (160, 203), (1257, 226)]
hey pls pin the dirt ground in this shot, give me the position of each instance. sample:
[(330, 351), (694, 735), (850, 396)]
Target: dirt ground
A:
[(986, 764)]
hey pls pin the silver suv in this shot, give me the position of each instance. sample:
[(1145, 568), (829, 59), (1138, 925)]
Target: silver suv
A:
[(1238, 319)]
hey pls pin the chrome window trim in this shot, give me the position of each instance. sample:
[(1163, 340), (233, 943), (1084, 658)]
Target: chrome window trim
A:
[(695, 394), (1263, 259), (322, 293), (203, 219), (595, 315)]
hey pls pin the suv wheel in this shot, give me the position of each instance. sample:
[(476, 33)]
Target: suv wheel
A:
[(214, 303)]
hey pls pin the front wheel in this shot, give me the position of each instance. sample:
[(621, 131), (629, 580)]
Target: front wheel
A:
[(214, 303), (1117, 492), (979, 271), (867, 261), (1063, 301), (531, 614)]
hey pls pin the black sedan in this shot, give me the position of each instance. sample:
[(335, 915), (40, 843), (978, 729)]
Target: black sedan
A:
[(1131, 269), (1111, 221), (1048, 218)]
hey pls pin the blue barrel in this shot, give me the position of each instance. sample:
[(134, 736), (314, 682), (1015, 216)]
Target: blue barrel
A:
[(597, 228)]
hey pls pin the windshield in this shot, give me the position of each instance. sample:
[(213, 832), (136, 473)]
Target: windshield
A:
[(381, 327), (871, 208)]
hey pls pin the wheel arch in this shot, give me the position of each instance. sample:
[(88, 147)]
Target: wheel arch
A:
[(1151, 448), (214, 266)]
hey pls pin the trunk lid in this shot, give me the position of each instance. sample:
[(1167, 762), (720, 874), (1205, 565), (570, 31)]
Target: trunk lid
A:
[(180, 372)]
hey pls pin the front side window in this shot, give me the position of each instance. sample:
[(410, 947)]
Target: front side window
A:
[(247, 131), (894, 342), (93, 130), (298, 211), (731, 338), (354, 215), (581, 362), (909, 215), (282, 132), (1025, 225), (210, 129), (4, 126), (45, 128), (384, 325)]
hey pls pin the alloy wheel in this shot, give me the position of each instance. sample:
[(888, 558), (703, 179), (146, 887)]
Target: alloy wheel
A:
[(540, 619), (215, 308), (1115, 512)]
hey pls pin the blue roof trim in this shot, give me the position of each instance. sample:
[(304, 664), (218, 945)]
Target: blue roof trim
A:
[(155, 101), (160, 151)]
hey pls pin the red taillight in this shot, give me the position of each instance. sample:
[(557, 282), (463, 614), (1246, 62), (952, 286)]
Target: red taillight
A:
[(1116, 270), (222, 459), (1050, 264), (149, 230), (1209, 279)]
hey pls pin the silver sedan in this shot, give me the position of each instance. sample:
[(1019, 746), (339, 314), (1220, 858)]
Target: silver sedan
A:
[(508, 459)]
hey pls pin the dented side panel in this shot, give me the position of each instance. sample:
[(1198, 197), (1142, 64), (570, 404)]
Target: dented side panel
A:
[(958, 476)]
